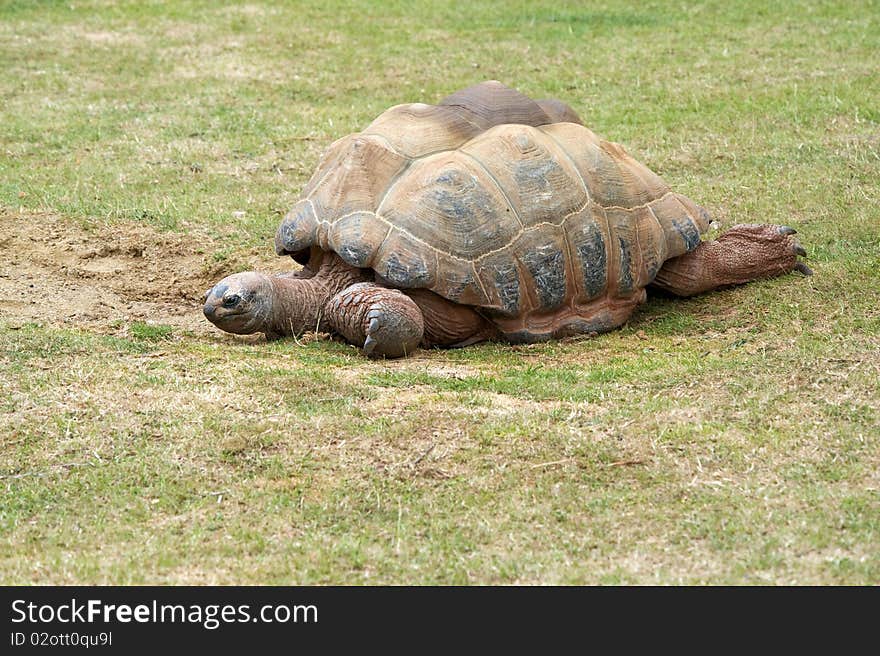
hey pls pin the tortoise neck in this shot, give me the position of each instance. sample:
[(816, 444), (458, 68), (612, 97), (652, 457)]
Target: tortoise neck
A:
[(298, 302)]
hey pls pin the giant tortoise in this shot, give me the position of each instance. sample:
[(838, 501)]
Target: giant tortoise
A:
[(489, 216)]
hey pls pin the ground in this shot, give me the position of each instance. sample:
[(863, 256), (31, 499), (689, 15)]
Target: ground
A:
[(147, 150)]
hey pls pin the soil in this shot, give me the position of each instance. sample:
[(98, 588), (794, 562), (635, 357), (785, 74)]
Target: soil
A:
[(58, 271)]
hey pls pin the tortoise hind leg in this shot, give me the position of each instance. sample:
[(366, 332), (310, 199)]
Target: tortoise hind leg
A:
[(744, 253), (385, 322)]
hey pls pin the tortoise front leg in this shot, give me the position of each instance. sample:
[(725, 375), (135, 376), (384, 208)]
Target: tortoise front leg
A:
[(744, 253), (384, 321)]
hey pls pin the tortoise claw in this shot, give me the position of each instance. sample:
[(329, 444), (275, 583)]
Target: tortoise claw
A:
[(804, 269), (800, 250), (787, 230), (370, 342)]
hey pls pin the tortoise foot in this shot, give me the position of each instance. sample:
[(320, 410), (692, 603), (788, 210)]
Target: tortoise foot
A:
[(386, 322), (744, 253), (762, 251)]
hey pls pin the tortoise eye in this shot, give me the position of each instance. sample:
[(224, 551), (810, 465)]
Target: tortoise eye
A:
[(231, 300)]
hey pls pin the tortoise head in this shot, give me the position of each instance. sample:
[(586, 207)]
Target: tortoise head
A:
[(240, 303)]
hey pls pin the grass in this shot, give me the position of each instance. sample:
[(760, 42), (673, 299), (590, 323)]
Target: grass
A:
[(728, 439)]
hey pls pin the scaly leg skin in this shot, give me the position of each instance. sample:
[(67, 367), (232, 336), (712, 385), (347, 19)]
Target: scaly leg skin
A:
[(385, 322), (744, 253), (449, 324)]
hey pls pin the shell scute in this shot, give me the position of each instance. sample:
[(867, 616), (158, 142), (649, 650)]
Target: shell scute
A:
[(537, 178), (459, 282), (358, 179), (297, 231), (405, 262), (356, 237), (500, 277), (682, 223), (449, 203), (416, 130), (543, 253), (586, 235), (491, 103)]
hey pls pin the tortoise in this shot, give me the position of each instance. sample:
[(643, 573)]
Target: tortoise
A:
[(489, 216)]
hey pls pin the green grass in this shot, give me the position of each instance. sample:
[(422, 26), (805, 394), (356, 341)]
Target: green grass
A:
[(730, 438)]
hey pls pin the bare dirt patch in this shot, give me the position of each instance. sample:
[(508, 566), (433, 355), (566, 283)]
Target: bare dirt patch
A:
[(57, 271)]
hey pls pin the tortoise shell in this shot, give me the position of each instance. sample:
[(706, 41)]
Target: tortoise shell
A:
[(497, 201)]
